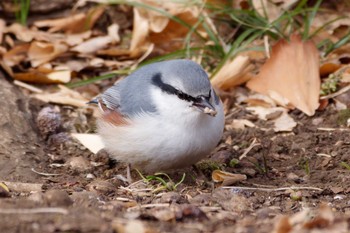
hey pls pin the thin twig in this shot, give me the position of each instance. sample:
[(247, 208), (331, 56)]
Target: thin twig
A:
[(272, 189), (44, 174), (251, 146), (333, 129), (324, 155), (48, 210)]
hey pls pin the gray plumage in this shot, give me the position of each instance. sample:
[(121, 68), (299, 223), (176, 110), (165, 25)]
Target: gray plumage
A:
[(131, 95)]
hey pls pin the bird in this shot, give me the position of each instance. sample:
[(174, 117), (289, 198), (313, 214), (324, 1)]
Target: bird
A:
[(163, 116)]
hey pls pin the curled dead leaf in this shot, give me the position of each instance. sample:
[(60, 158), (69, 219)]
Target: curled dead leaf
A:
[(233, 73), (75, 23), (227, 178)]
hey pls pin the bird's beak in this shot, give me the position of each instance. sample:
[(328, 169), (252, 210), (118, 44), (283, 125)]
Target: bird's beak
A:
[(203, 104)]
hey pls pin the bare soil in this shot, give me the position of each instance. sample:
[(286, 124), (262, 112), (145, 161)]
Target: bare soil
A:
[(83, 192)]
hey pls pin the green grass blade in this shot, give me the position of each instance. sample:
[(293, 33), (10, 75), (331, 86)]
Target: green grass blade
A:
[(310, 18)]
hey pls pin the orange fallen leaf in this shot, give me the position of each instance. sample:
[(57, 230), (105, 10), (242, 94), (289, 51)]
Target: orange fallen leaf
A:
[(44, 76), (42, 52), (291, 74), (227, 178)]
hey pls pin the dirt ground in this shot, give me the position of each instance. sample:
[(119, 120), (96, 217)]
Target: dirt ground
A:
[(77, 191)]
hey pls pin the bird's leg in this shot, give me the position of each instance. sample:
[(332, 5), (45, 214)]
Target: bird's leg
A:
[(128, 174)]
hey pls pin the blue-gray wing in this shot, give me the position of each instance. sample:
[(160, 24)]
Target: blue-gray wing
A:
[(130, 96)]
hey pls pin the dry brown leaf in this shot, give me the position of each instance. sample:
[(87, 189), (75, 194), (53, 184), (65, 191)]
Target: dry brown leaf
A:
[(151, 27), (16, 55), (94, 44), (64, 95), (174, 33), (292, 73), (93, 142), (233, 73), (260, 100), (42, 52), (44, 77), (140, 32), (73, 24), (78, 38), (239, 124), (227, 178), (2, 29), (114, 52), (3, 50), (21, 32), (272, 10)]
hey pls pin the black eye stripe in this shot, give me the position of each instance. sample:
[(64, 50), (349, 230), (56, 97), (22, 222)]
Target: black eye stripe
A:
[(157, 81)]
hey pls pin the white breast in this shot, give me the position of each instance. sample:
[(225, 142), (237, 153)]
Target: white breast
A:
[(176, 137)]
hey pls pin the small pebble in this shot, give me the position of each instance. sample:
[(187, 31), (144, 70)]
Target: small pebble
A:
[(90, 176), (170, 197), (339, 197), (249, 171), (102, 187), (223, 156), (317, 121), (79, 163)]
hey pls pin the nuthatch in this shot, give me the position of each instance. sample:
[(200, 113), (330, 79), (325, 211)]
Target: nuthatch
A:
[(163, 116)]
